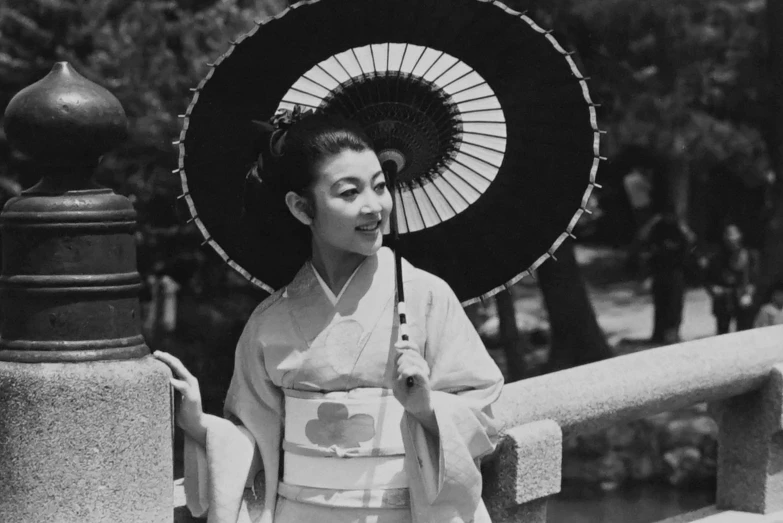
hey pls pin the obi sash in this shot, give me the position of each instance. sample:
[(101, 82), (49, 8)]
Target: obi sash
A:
[(344, 449)]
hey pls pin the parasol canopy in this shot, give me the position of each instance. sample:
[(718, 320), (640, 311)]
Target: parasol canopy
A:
[(486, 116)]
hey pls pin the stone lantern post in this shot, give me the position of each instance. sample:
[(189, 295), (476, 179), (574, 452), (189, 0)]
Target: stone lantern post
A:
[(85, 412)]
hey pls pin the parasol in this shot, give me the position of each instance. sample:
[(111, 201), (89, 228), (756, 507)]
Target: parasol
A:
[(486, 118)]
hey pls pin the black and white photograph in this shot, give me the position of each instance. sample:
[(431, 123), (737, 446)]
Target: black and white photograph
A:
[(391, 261)]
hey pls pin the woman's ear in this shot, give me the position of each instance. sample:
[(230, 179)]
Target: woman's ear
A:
[(300, 207)]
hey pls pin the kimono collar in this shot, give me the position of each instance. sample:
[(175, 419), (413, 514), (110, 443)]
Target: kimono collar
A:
[(329, 294), (364, 299), (380, 265)]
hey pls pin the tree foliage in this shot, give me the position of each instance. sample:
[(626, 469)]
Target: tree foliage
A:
[(683, 86), (148, 54), (684, 78)]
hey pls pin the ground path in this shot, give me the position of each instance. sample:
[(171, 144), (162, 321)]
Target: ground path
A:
[(623, 306)]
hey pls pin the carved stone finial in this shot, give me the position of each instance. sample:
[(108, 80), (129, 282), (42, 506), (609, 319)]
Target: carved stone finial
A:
[(69, 285), (65, 119)]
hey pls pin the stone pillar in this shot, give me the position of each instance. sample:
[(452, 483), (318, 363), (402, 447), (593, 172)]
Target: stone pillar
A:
[(750, 449), (524, 472), (85, 412)]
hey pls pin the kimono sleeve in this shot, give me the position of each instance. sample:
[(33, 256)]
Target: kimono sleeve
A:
[(465, 382), (217, 476)]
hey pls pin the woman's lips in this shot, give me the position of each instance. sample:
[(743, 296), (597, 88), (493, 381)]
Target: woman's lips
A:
[(369, 227)]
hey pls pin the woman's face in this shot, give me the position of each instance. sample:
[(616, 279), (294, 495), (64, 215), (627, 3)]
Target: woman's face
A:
[(352, 204)]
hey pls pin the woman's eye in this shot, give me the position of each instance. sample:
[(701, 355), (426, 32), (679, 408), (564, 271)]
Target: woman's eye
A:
[(349, 193), (380, 187)]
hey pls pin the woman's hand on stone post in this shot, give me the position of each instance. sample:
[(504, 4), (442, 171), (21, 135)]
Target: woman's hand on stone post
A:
[(190, 414)]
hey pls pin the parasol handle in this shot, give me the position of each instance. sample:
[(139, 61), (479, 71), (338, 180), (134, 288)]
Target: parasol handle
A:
[(390, 169)]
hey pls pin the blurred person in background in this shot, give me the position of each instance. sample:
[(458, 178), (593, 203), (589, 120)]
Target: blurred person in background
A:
[(730, 282), (666, 243), (771, 313)]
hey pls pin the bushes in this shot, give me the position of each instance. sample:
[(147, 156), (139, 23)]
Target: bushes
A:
[(678, 448)]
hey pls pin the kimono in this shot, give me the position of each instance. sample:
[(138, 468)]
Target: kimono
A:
[(305, 353)]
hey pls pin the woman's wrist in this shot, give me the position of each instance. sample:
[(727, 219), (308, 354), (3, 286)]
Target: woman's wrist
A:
[(198, 431), (428, 420)]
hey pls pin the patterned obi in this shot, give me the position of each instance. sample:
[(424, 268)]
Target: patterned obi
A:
[(344, 449)]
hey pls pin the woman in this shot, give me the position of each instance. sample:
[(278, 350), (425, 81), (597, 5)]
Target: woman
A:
[(317, 359)]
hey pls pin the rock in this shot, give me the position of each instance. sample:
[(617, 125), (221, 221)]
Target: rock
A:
[(642, 468), (622, 436), (602, 471), (677, 447), (592, 444), (684, 465), (689, 432), (613, 469)]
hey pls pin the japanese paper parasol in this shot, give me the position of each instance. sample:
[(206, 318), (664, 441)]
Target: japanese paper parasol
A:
[(487, 117)]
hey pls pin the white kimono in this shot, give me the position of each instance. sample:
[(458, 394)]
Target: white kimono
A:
[(300, 342)]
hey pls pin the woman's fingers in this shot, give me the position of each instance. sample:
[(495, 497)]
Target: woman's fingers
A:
[(402, 381), (179, 385), (411, 365), (412, 358), (417, 377), (176, 365), (406, 345), (410, 368)]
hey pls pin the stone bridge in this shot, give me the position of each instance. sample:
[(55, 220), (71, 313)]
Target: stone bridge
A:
[(86, 431)]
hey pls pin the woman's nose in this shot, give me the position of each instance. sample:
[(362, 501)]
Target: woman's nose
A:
[(372, 204)]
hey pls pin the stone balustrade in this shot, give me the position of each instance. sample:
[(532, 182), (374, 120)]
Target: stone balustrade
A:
[(740, 374)]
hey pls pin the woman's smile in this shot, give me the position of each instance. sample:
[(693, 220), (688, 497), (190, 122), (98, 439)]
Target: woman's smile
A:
[(372, 227)]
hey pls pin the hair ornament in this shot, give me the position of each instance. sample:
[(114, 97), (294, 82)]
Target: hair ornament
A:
[(280, 123), (276, 128)]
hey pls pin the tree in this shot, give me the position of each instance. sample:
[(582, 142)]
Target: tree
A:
[(682, 81), (703, 64), (576, 337), (514, 345), (772, 265)]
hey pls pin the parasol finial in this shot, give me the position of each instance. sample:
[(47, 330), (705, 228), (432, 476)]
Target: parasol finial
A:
[(394, 156)]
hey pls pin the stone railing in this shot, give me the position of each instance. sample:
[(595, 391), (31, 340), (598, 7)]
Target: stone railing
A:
[(740, 374)]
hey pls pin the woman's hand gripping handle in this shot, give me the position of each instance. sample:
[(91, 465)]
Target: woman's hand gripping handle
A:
[(412, 384)]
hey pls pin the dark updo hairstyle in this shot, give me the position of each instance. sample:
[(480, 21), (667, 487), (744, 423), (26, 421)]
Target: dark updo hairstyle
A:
[(297, 149)]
